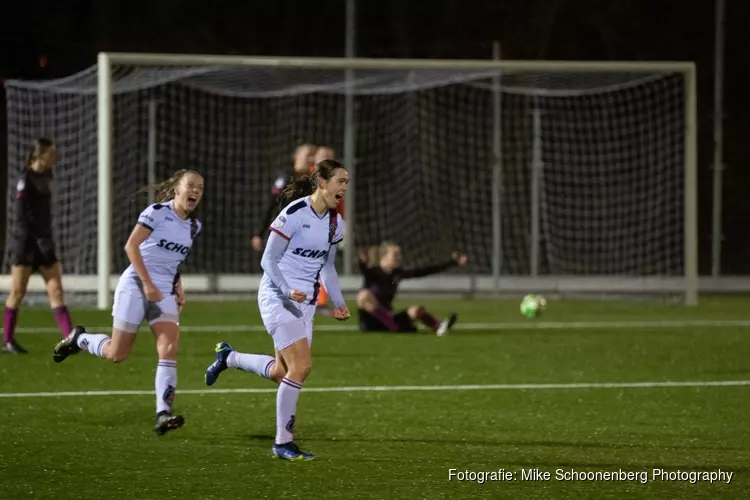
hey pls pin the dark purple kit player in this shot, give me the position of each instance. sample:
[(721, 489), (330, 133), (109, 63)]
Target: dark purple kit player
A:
[(31, 247), (303, 161), (382, 274)]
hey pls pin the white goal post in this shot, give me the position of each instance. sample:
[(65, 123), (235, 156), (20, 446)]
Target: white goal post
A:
[(564, 176)]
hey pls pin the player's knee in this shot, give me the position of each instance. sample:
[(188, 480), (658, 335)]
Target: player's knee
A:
[(118, 356), (167, 350), (17, 293), (167, 339), (166, 344), (300, 370), (365, 299), (415, 312), (277, 374), (55, 292)]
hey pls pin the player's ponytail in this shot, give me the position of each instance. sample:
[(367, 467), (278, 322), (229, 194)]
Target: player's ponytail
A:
[(297, 188), (306, 185)]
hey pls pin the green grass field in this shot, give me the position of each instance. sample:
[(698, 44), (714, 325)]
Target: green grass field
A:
[(580, 389)]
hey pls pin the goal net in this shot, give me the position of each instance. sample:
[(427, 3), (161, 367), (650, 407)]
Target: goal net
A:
[(546, 177)]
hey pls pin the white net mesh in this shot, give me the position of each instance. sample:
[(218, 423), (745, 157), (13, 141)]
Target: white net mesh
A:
[(609, 145)]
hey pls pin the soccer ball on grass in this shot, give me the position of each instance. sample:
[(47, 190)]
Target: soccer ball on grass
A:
[(533, 305)]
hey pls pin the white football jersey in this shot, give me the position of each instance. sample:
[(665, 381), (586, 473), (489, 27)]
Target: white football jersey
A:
[(309, 243), (167, 246)]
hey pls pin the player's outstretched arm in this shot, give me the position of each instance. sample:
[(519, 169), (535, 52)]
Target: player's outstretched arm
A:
[(457, 259), (272, 254), (330, 279)]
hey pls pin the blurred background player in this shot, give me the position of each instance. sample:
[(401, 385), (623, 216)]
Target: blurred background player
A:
[(31, 247), (301, 250), (303, 162), (150, 289), (382, 272)]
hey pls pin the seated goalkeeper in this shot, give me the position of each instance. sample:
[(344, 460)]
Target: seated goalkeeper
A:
[(382, 272)]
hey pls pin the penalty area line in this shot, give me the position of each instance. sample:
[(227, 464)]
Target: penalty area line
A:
[(400, 388)]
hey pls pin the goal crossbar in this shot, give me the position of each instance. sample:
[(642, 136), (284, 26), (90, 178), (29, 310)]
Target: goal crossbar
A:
[(342, 63)]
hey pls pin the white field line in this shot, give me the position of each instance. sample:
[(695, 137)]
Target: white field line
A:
[(519, 325), (400, 388)]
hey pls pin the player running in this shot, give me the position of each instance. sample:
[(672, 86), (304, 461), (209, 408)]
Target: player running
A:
[(382, 275), (304, 159), (150, 289), (300, 250), (31, 247)]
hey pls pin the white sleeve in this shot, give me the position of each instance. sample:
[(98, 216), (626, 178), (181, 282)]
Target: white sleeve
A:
[(152, 216), (285, 225)]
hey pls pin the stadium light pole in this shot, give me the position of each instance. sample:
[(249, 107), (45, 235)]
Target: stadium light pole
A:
[(497, 174), (349, 140), (151, 155), (718, 161)]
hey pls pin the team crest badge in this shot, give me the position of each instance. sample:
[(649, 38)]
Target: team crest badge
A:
[(279, 222)]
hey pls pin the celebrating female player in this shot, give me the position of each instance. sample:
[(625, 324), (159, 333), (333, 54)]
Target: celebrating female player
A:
[(323, 153), (301, 249), (382, 277), (150, 289), (305, 157), (31, 247)]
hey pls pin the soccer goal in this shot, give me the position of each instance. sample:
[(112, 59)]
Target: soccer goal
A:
[(552, 176)]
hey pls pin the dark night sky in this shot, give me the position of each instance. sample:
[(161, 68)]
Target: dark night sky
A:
[(70, 33)]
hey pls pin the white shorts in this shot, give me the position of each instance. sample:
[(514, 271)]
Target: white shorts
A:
[(285, 320), (131, 308)]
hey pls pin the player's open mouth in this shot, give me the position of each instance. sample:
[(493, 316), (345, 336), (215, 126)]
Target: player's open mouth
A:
[(192, 199), (339, 196)]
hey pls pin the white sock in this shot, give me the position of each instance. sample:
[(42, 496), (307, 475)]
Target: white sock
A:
[(93, 343), (260, 364), (286, 407), (165, 383)]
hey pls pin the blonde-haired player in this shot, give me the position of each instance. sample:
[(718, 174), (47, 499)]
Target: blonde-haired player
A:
[(382, 273), (150, 289)]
